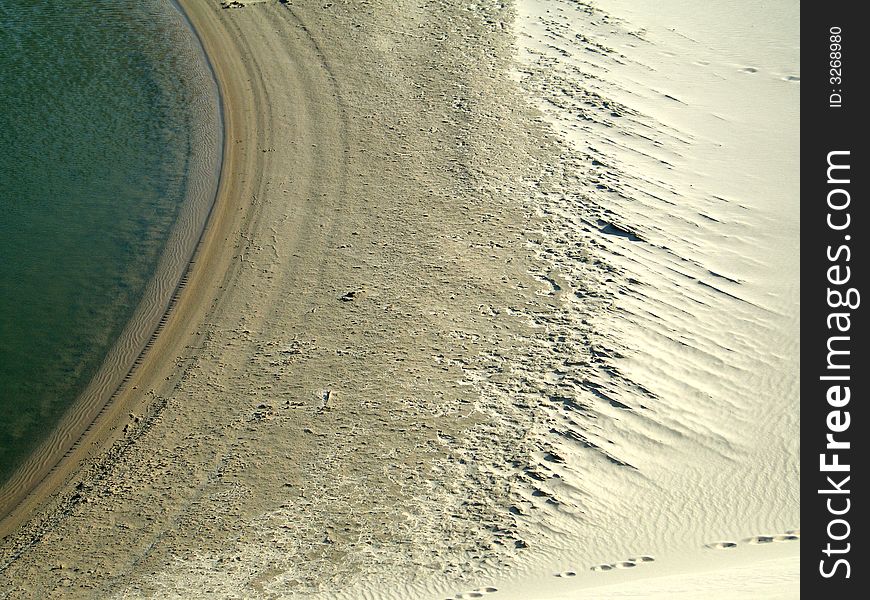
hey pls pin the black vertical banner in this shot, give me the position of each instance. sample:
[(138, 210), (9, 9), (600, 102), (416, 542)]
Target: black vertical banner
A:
[(834, 270)]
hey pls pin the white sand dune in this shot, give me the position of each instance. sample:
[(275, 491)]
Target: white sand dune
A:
[(685, 185), (499, 303)]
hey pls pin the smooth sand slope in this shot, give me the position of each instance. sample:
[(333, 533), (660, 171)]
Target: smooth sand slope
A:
[(398, 369)]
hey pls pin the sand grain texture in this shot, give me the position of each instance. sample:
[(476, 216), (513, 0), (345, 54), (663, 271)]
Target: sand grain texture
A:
[(409, 360), (307, 419)]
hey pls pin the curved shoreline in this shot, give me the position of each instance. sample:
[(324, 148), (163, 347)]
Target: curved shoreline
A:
[(357, 397), (96, 411), (348, 166)]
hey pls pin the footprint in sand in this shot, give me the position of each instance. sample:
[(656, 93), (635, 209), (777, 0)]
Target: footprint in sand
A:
[(721, 545), (759, 539), (567, 574), (792, 535), (478, 593), (623, 564)]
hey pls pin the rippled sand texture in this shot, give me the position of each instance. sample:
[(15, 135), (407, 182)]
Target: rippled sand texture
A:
[(686, 166), (464, 329)]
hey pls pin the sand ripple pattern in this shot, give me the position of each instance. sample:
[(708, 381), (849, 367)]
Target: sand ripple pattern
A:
[(688, 389), (511, 350)]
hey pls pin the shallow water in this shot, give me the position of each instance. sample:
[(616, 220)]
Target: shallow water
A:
[(109, 142)]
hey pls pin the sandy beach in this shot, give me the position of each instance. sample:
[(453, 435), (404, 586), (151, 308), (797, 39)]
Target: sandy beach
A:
[(401, 365)]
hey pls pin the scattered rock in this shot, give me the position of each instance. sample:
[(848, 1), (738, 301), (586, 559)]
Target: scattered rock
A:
[(352, 295)]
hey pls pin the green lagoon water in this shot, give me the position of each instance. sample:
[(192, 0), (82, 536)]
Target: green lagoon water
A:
[(109, 127)]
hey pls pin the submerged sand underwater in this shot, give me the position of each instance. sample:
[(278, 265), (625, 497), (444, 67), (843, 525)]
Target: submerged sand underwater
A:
[(484, 311)]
